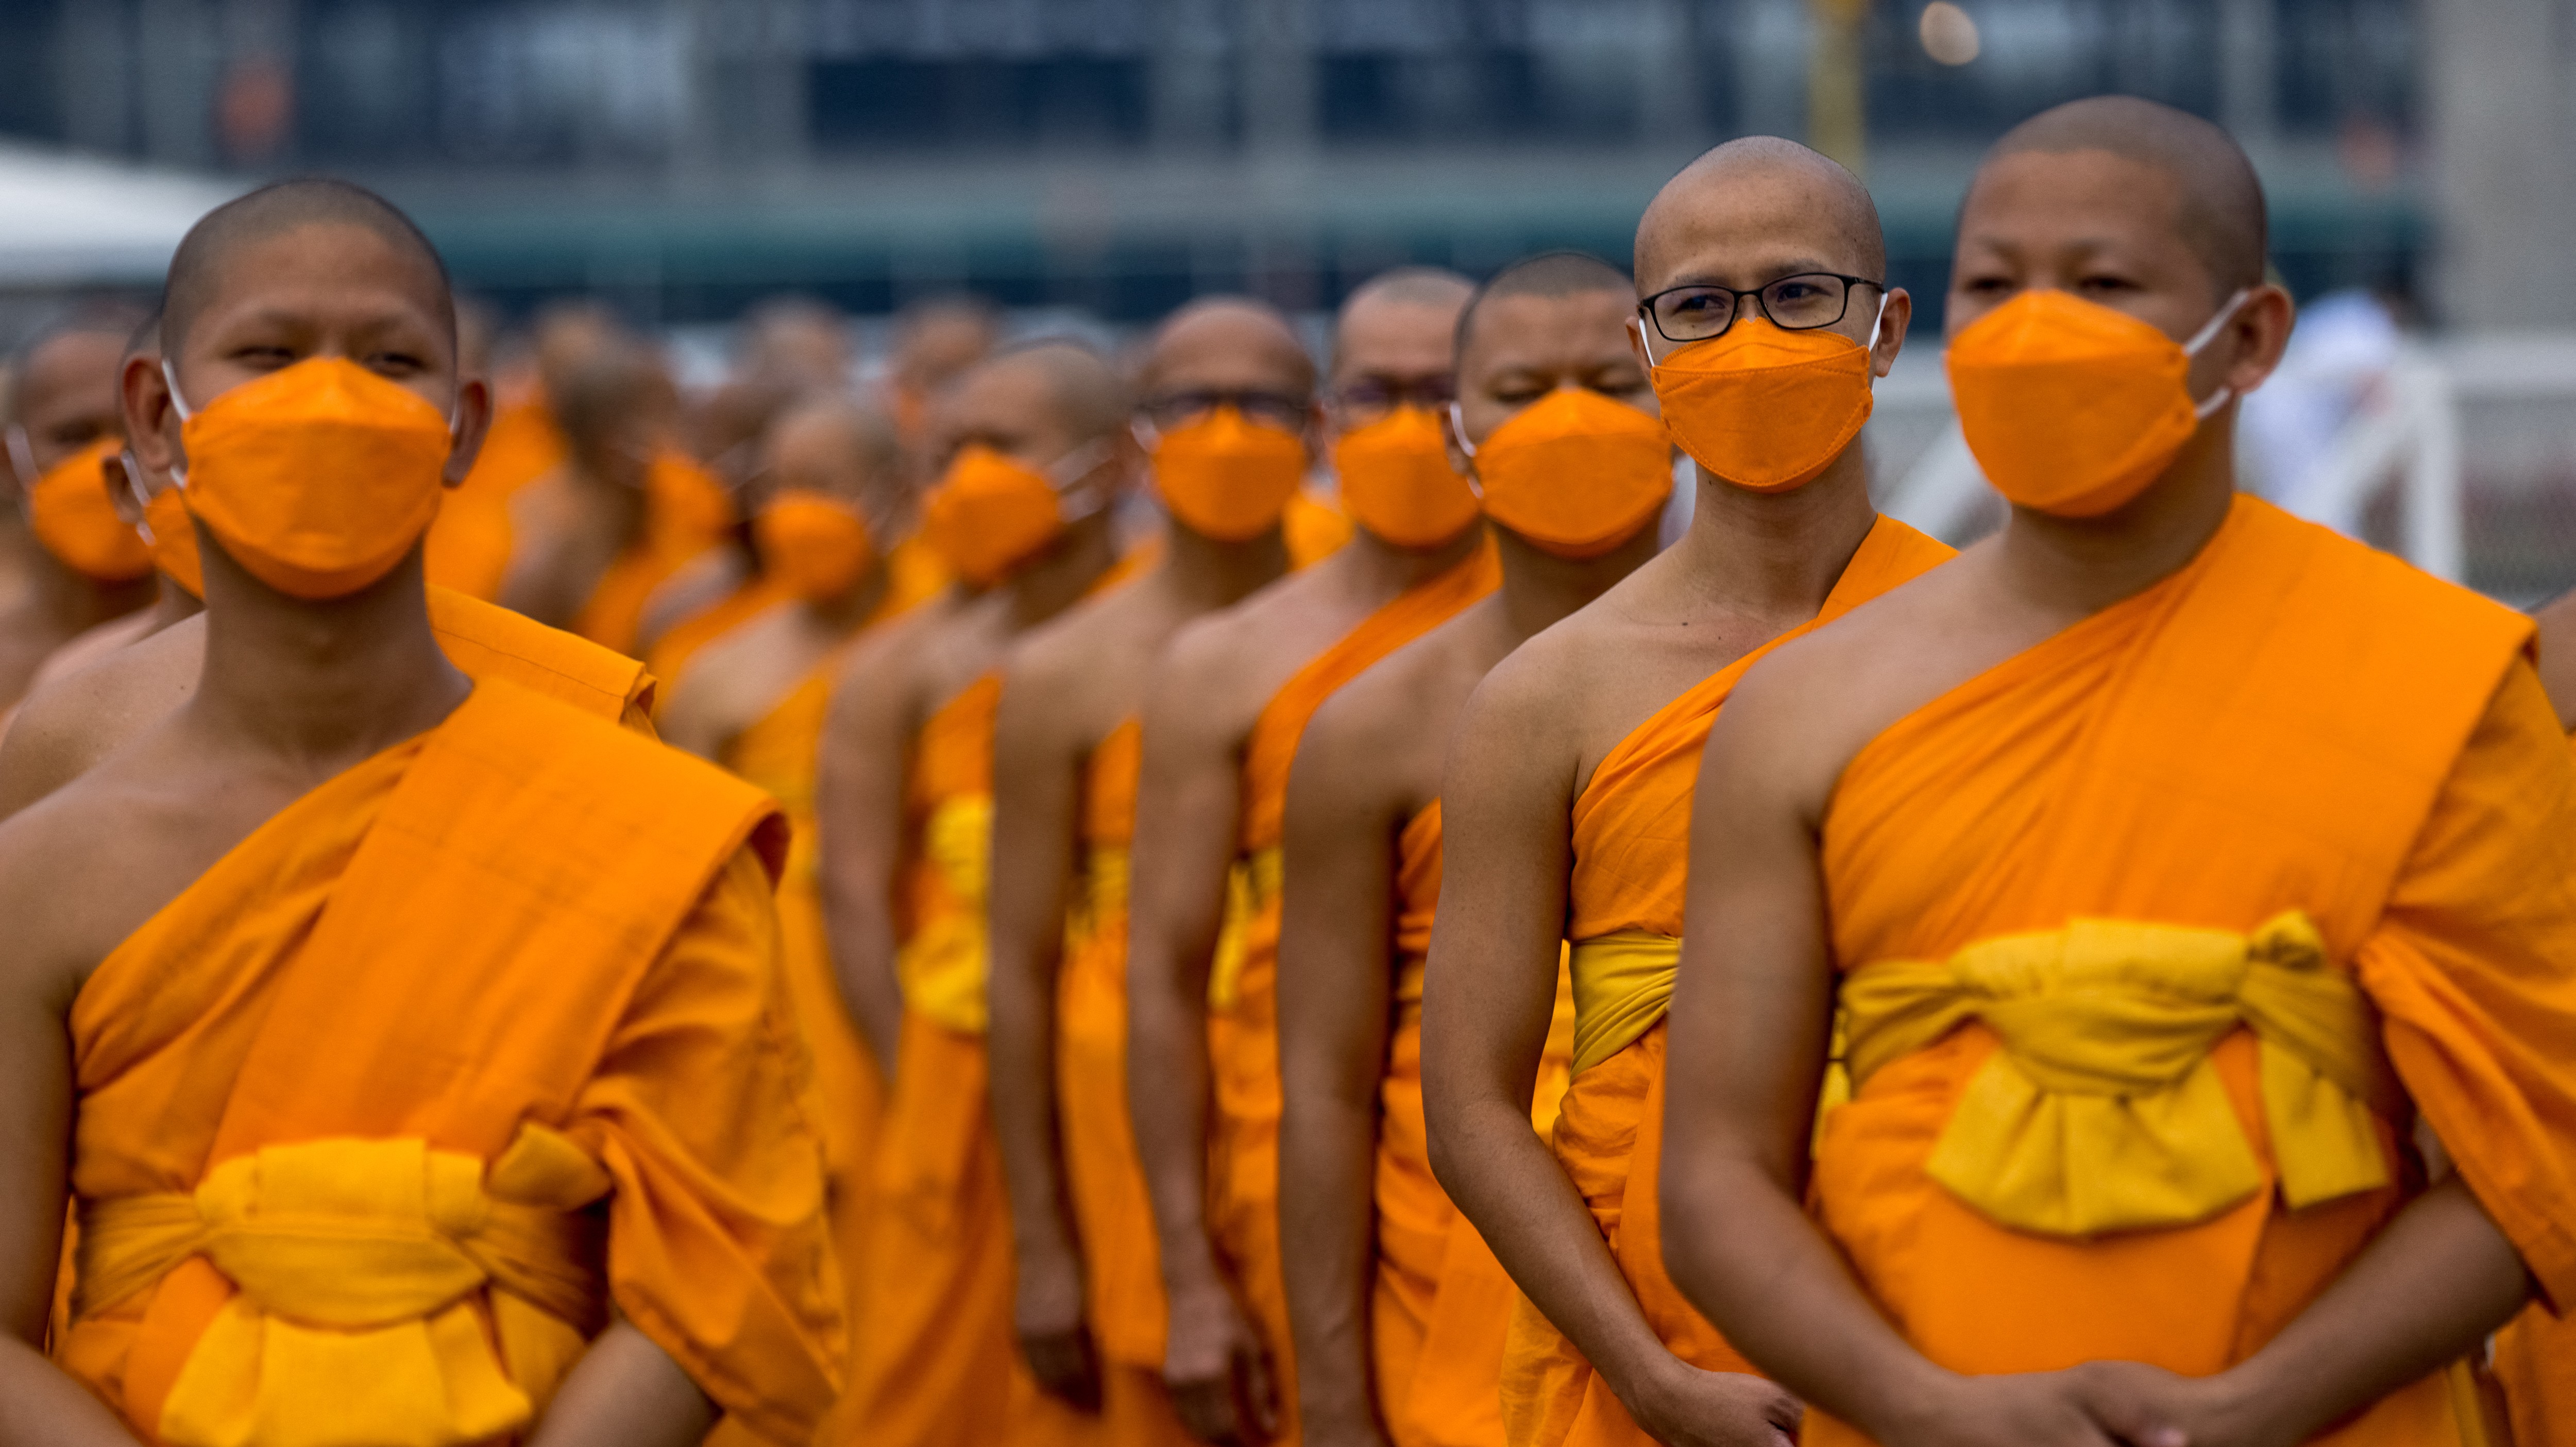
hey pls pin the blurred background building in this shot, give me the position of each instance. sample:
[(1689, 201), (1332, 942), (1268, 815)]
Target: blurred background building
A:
[(682, 158)]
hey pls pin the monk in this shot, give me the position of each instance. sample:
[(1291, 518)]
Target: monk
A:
[(599, 534), (1023, 515), (1765, 320), (1231, 695), (936, 339), (1088, 1303), (1369, 1240), (176, 576), (63, 424), (2181, 856), (550, 1178)]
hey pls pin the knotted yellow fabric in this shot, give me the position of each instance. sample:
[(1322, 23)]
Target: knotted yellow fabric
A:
[(356, 1264), (942, 967), (1623, 982), (2102, 1111), (1250, 885)]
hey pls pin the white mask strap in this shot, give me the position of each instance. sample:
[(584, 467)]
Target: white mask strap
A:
[(1877, 321), (1458, 430), (2203, 338), (170, 375), (22, 458)]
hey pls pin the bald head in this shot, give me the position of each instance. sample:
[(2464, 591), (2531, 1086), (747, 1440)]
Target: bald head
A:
[(1760, 208), (197, 269), (1398, 329), (1551, 274), (69, 380), (2218, 201), (841, 447), (1226, 345)]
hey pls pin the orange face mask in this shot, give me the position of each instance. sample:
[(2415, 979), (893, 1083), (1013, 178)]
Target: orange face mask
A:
[(1576, 472), (1397, 482), (2072, 408), (817, 546), (74, 516), (317, 478), (1226, 477), (1764, 409), (173, 538), (989, 515)]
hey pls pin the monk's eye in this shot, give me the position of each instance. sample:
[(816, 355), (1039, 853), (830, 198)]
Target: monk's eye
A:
[(2105, 284), (1987, 285)]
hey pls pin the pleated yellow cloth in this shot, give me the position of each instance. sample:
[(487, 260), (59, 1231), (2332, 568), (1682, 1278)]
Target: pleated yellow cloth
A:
[(1622, 983), (2102, 1111)]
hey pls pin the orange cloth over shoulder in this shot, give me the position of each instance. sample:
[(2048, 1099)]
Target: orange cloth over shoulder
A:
[(1440, 1301), (686, 511), (1313, 528), (2290, 722), (485, 640), (1243, 1015), (578, 915), (1631, 835)]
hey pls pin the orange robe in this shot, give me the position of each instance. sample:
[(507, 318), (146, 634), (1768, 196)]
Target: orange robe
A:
[(1122, 1274), (1243, 1012), (686, 511), (469, 543), (2290, 722), (780, 754), (485, 640), (1631, 836), (1439, 1301), (937, 1360), (560, 1078)]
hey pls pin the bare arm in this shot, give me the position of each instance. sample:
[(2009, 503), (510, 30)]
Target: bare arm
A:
[(1335, 983), (689, 719), (1188, 802), (1491, 987), (625, 1392), (858, 807), (1037, 763), (43, 1404), (1751, 1023)]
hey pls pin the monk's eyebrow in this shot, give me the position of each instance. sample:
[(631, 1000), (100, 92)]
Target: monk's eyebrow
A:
[(1792, 266)]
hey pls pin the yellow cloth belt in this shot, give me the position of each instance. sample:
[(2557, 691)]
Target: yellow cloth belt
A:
[(1104, 895), (942, 967), (2102, 1111), (1622, 984), (1251, 886), (354, 1263)]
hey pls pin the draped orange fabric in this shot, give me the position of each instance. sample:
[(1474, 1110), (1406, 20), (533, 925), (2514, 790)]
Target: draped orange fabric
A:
[(2290, 721), (1243, 1035), (485, 640), (1441, 1301), (1631, 835), (936, 1361), (523, 918), (1122, 1274), (686, 511), (1313, 528)]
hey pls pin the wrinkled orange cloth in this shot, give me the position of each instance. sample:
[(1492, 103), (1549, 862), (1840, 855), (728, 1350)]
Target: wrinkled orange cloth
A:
[(1631, 835), (1440, 1301), (936, 1361), (1122, 1272), (485, 640), (524, 917), (469, 543), (1243, 1035), (2290, 721)]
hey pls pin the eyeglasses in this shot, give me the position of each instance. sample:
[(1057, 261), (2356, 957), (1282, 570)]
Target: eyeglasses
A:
[(1277, 409), (1374, 397), (1798, 303)]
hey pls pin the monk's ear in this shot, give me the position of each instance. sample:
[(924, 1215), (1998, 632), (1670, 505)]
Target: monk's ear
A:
[(151, 422), (1892, 323), (473, 421), (2258, 334), (122, 491)]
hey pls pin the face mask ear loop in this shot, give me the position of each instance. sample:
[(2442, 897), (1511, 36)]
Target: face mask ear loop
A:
[(1082, 462), (1458, 431), (1876, 322), (2202, 338), (169, 374), (1645, 341), (22, 458)]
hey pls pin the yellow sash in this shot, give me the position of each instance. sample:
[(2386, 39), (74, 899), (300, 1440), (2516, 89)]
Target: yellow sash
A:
[(2102, 1111), (942, 967), (1622, 983), (353, 1263), (1251, 886)]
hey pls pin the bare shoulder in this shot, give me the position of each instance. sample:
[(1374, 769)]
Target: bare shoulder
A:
[(68, 887), (64, 729), (1396, 718), (2557, 621)]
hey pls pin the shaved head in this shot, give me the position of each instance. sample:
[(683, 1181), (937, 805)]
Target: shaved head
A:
[(1387, 321), (112, 319), (196, 270), (1760, 193), (1226, 343), (1079, 382), (2220, 213), (1548, 274)]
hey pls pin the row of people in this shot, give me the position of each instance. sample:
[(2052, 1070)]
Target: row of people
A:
[(2127, 998)]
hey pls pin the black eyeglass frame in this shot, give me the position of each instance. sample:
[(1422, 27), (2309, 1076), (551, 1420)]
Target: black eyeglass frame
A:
[(1646, 308)]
